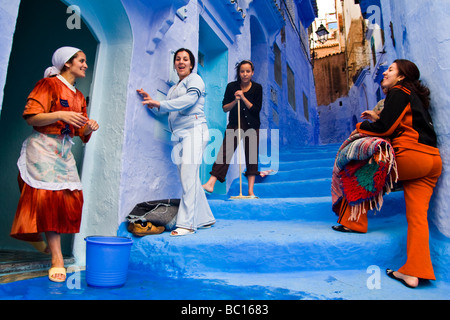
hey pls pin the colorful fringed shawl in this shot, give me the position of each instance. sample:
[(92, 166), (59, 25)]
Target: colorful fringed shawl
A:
[(364, 169)]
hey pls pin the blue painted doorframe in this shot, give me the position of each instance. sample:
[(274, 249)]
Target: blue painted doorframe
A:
[(213, 68)]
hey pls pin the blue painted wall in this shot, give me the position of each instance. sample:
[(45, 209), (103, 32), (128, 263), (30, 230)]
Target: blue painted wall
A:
[(419, 37)]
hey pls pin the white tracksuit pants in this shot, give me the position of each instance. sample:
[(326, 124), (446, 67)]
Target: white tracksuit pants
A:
[(187, 154)]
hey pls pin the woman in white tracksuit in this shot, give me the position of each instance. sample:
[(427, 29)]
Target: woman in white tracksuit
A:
[(185, 104)]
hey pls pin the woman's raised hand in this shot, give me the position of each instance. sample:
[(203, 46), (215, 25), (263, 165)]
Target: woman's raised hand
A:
[(147, 100), (370, 115)]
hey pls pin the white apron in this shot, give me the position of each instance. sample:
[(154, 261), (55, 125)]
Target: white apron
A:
[(46, 162)]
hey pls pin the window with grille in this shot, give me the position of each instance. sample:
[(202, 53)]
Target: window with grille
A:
[(291, 87), (277, 65)]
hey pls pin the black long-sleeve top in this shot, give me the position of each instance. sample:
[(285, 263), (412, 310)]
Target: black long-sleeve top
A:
[(254, 95), (405, 121)]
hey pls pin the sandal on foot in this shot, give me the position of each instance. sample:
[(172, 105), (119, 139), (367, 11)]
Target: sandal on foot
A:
[(54, 271), (341, 228), (181, 232), (265, 173), (390, 274)]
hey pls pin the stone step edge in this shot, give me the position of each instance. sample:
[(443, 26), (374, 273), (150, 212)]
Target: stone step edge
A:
[(262, 245)]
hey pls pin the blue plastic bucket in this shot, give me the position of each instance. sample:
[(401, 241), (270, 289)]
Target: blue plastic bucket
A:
[(107, 260)]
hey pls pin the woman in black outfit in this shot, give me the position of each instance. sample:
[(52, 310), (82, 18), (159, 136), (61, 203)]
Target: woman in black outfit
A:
[(250, 95)]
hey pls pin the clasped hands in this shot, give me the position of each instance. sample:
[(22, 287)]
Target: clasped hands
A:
[(239, 95), (78, 120)]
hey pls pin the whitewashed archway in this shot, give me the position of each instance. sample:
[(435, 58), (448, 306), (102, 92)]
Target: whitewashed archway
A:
[(109, 22)]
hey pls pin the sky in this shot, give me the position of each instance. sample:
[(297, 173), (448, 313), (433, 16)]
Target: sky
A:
[(325, 6)]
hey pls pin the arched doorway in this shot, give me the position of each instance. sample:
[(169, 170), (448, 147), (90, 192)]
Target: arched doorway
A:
[(108, 23), (213, 68), (41, 28)]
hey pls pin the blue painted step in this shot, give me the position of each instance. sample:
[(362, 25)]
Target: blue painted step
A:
[(287, 230), (311, 163), (306, 155), (270, 246), (286, 189), (297, 174), (302, 208)]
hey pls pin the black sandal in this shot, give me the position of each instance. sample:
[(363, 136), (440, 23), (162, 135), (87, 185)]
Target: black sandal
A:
[(341, 228), (390, 274)]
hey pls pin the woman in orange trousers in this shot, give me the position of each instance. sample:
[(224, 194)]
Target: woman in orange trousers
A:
[(405, 119)]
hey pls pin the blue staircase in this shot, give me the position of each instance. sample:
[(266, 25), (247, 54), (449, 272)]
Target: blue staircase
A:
[(284, 240)]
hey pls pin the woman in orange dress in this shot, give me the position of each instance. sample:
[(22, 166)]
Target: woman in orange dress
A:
[(51, 197)]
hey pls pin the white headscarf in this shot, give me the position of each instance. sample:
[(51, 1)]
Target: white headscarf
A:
[(60, 57)]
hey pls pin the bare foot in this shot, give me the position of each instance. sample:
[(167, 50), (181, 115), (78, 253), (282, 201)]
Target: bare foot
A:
[(208, 187), (410, 280)]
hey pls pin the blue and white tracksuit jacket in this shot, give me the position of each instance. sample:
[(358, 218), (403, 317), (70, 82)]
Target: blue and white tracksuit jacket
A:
[(187, 121)]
